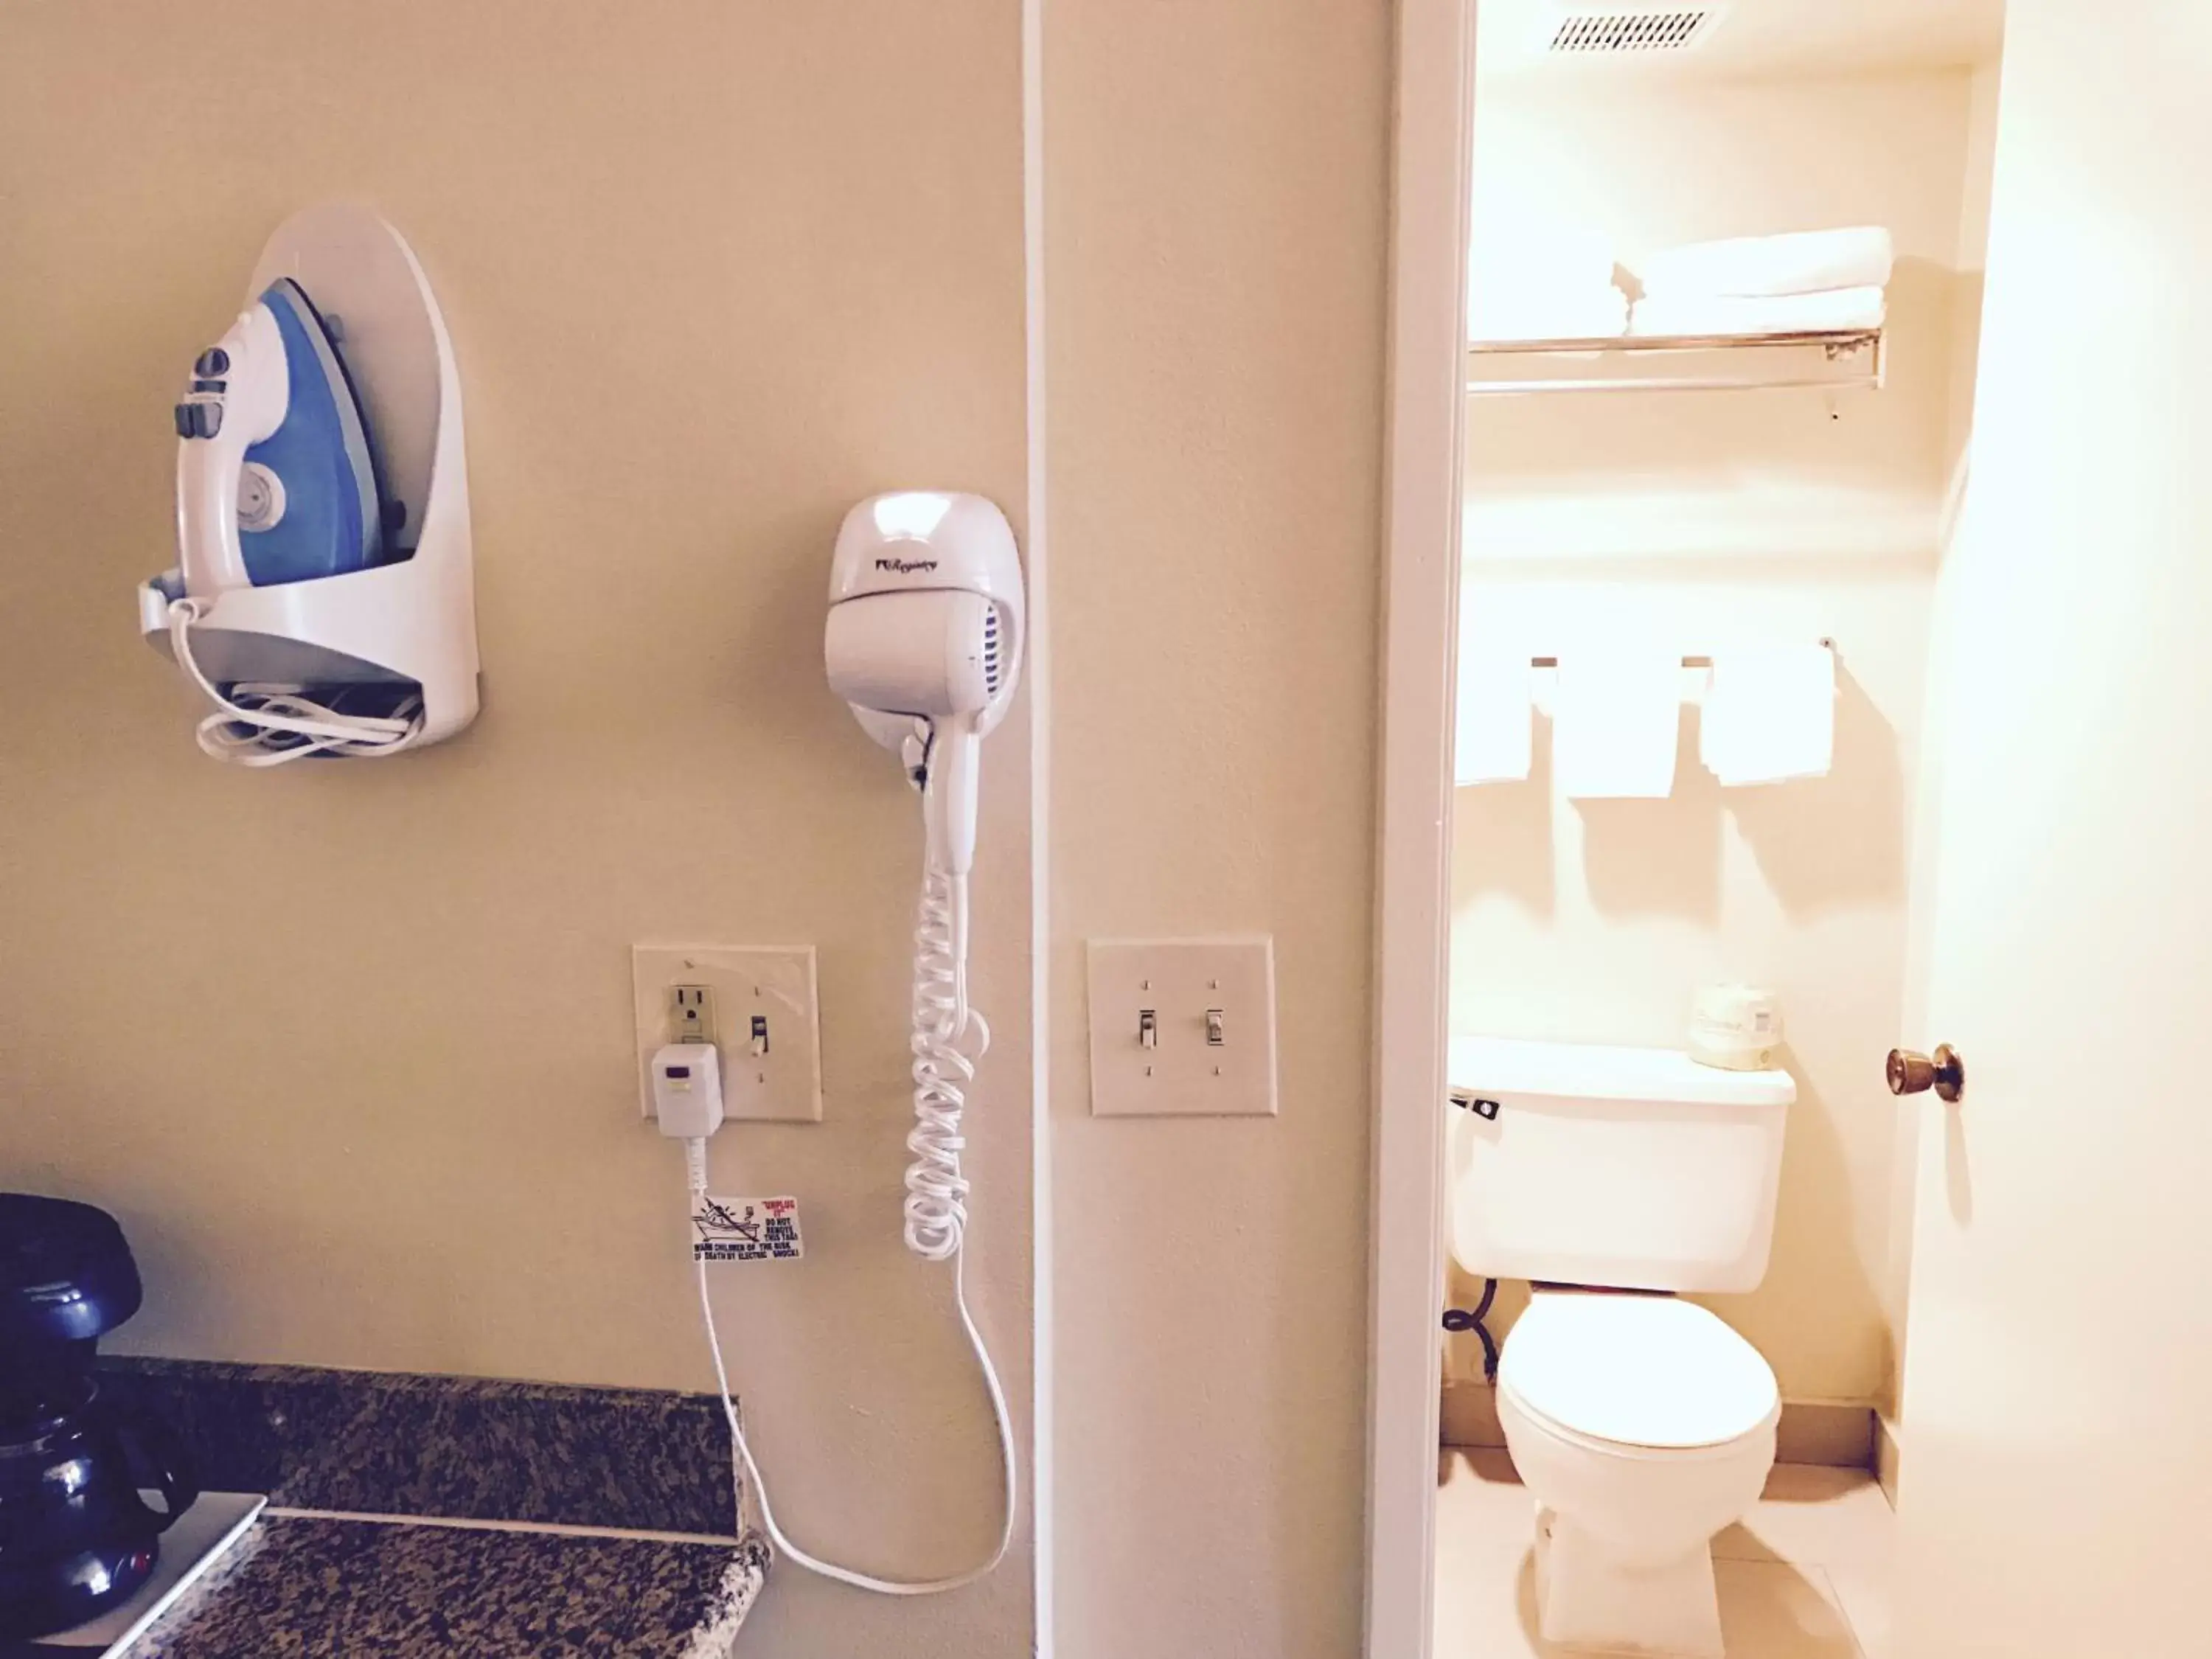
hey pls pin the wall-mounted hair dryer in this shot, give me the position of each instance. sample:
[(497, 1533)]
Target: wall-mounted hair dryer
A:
[(925, 640)]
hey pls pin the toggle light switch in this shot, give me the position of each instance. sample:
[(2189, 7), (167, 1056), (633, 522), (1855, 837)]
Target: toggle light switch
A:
[(1161, 1010)]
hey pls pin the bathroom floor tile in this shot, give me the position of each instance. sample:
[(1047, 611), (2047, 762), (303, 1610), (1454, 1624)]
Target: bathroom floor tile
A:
[(1864, 1595), (1781, 1610), (1804, 1576), (1832, 1517)]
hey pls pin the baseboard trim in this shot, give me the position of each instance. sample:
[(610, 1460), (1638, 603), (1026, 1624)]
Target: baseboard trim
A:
[(1469, 1416), (1826, 1432), (1888, 1451)]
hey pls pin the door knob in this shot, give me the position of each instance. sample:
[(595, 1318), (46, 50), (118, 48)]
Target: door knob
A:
[(1910, 1073)]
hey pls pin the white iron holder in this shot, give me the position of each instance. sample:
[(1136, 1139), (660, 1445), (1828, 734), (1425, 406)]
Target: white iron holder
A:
[(409, 622)]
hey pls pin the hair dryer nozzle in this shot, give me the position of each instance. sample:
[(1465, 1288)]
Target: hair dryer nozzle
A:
[(925, 653)]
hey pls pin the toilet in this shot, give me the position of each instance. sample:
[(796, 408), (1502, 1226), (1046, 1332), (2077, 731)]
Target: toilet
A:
[(1613, 1179)]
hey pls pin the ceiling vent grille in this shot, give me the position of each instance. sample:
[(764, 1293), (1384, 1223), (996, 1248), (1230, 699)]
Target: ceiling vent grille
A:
[(1608, 32)]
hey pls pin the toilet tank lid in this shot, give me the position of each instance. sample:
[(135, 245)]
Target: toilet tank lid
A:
[(1587, 1071)]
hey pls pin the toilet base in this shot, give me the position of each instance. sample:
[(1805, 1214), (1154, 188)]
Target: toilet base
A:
[(1589, 1596)]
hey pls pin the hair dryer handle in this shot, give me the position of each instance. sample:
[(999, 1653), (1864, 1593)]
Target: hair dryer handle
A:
[(949, 802)]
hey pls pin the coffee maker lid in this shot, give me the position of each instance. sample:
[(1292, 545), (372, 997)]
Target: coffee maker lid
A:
[(66, 1274)]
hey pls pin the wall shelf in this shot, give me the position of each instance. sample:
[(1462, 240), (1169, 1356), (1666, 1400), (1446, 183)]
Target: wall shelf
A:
[(1830, 359)]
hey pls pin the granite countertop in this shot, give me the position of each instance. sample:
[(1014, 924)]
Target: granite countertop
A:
[(416, 1516), (304, 1587)]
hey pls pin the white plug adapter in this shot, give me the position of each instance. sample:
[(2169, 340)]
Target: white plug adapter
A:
[(687, 1089)]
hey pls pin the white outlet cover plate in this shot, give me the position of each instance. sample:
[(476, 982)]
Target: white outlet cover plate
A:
[(1182, 1075), (783, 1086)]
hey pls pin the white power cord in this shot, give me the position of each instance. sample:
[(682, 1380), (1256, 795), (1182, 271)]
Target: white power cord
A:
[(282, 724), (949, 1038)]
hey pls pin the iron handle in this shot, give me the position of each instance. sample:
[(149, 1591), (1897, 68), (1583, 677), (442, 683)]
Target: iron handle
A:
[(1910, 1073)]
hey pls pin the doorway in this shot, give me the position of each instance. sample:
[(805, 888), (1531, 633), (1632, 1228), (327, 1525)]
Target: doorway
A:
[(1559, 926)]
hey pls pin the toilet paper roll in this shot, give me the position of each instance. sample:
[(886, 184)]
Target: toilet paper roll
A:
[(1737, 1027)]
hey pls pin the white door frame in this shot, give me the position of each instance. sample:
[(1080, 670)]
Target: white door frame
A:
[(1430, 204)]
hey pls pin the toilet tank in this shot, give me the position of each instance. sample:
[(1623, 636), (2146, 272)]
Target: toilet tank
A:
[(1634, 1167)]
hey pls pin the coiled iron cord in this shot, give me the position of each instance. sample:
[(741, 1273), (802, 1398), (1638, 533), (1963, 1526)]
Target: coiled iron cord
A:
[(949, 1038), (261, 724)]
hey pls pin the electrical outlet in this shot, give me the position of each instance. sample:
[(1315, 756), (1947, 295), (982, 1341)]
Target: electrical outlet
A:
[(691, 1010), (758, 1006)]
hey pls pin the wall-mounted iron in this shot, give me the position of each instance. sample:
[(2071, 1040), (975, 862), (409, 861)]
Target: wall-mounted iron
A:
[(324, 599)]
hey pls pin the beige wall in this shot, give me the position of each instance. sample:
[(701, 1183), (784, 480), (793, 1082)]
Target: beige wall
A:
[(348, 1048), (1216, 186), (1651, 164), (1704, 519)]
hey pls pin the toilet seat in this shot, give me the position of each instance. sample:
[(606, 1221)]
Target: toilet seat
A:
[(1637, 1375)]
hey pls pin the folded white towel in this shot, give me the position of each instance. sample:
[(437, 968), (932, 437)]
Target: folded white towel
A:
[(1595, 314), (1491, 741), (1802, 262), (1777, 313), (1770, 714), (1614, 721)]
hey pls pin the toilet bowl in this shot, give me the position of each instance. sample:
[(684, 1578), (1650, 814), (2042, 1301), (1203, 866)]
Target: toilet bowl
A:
[(1641, 1425)]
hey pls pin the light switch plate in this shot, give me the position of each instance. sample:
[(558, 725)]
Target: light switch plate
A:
[(1181, 1073), (773, 987)]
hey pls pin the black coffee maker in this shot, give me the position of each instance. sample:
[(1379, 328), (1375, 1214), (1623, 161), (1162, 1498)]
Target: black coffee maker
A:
[(75, 1537)]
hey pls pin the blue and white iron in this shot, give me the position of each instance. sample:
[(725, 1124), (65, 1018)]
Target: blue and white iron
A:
[(276, 481), (317, 612)]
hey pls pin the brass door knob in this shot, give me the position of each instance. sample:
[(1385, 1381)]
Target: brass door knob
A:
[(1910, 1073)]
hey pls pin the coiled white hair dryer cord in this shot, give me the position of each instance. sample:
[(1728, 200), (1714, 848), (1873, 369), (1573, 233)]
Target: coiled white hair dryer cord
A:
[(271, 713), (949, 1038)]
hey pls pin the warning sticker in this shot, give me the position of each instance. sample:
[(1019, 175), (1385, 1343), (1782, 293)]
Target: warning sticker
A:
[(746, 1230)]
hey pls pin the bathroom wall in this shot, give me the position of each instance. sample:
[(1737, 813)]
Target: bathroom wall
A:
[(349, 1048), (1706, 518), (1655, 162), (1217, 189)]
